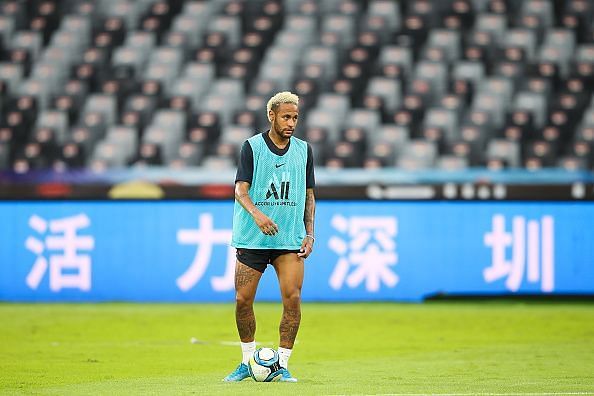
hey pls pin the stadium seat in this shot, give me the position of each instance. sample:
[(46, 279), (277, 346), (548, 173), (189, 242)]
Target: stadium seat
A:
[(483, 82)]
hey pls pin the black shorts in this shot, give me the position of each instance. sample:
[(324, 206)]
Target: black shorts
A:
[(259, 259)]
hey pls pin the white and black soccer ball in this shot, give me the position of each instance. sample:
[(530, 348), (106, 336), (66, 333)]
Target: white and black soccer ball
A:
[(264, 366)]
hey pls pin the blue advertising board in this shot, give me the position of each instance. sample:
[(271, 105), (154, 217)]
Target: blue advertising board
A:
[(364, 250)]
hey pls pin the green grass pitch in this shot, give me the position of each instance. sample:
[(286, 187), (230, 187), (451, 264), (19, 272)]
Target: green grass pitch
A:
[(485, 347)]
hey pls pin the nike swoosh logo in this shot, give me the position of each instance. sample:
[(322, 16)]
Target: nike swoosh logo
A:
[(279, 165)]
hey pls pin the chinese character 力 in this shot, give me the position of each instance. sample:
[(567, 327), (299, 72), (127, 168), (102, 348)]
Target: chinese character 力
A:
[(205, 237)]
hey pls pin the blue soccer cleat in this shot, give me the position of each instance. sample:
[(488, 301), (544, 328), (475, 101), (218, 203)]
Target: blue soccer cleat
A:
[(286, 376), (240, 373)]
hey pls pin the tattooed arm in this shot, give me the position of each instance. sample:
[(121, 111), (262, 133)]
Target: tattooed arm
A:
[(308, 220), (265, 223)]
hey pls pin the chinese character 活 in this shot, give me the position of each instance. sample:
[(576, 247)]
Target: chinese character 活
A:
[(67, 268)]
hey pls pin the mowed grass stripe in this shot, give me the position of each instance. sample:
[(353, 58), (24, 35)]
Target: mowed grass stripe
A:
[(509, 347)]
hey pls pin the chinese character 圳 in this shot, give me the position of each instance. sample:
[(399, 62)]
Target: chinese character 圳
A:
[(204, 238), (533, 248), (68, 268), (368, 249)]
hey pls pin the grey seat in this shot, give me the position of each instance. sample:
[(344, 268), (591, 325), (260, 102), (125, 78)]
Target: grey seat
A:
[(303, 24), (165, 74), (222, 105), (281, 74), (534, 102), (129, 11), (168, 56), (324, 119), (163, 138), (493, 104), (173, 120), (189, 88), (492, 23), (469, 70), (143, 40), (395, 135), (102, 104), (446, 39), (128, 56), (77, 24), (366, 119), (588, 118), (434, 73), (12, 74), (55, 120), (230, 26), (391, 54), (388, 89), (36, 88), (124, 137), (202, 73), (53, 76), (4, 155), (543, 9), (335, 103), (297, 41), (29, 40), (235, 134), (558, 48), (192, 28), (506, 150), (523, 38), (109, 155), (59, 57), (573, 163), (418, 154), (6, 27), (452, 163), (343, 26), (444, 119), (324, 56), (388, 10), (214, 163), (585, 53), (73, 43), (189, 154)]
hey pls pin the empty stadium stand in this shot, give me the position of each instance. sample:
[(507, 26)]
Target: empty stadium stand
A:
[(408, 84)]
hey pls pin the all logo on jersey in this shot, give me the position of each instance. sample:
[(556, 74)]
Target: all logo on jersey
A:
[(278, 192), (283, 187)]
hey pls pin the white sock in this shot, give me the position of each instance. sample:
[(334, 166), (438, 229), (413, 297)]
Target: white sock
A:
[(247, 350), (284, 354)]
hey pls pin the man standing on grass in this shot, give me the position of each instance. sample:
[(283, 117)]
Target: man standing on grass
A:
[(273, 223)]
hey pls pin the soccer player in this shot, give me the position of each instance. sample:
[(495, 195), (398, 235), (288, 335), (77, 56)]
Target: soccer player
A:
[(273, 223)]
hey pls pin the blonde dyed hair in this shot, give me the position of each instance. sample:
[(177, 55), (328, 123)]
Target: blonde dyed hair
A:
[(279, 98)]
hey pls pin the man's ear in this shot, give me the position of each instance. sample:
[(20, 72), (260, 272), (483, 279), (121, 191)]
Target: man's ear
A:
[(271, 116)]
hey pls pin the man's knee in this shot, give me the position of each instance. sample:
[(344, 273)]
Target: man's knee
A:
[(243, 300), (292, 298)]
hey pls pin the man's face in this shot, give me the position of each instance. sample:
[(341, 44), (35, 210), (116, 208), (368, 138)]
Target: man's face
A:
[(284, 120)]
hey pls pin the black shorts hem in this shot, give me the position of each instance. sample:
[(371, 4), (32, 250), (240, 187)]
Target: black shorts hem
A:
[(259, 259)]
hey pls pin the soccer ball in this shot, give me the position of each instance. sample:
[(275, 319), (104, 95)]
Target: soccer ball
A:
[(264, 365)]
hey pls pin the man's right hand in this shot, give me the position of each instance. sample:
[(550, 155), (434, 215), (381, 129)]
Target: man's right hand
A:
[(265, 223)]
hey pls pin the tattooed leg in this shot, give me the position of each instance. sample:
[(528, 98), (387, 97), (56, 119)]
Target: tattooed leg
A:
[(289, 270), (246, 283)]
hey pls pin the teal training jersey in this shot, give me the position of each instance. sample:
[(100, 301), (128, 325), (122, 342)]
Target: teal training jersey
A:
[(278, 189)]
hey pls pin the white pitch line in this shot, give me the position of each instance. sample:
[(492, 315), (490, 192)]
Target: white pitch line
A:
[(479, 394)]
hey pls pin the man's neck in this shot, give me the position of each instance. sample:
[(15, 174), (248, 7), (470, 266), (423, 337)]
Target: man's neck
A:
[(277, 140)]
